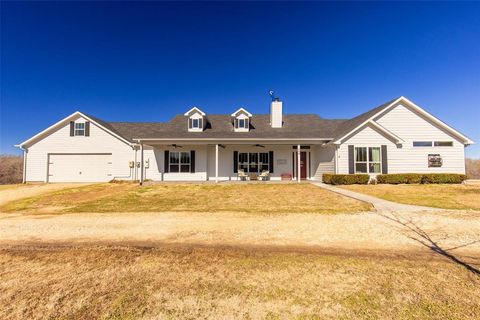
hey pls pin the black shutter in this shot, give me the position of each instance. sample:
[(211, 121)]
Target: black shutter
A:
[(190, 121), (72, 128), (235, 161), (192, 161), (270, 161), (384, 160), (247, 124), (166, 161), (236, 123), (87, 129), (351, 159)]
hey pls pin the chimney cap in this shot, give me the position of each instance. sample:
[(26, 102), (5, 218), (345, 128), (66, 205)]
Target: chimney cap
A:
[(276, 99)]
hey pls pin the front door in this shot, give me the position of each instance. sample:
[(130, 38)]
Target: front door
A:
[(303, 165)]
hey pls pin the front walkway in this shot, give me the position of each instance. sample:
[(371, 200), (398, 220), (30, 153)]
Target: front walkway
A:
[(379, 204)]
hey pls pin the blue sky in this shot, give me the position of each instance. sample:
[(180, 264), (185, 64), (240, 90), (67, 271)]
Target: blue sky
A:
[(148, 61)]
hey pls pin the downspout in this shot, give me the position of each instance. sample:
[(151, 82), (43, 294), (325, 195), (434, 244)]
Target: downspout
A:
[(141, 164), (24, 173)]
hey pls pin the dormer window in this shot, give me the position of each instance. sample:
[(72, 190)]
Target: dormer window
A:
[(241, 120), (196, 119)]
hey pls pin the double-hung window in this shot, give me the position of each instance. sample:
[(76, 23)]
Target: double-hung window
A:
[(367, 160), (253, 162), (179, 161), (79, 129)]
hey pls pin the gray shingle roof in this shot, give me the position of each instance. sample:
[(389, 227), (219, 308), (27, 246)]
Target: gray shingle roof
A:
[(295, 126)]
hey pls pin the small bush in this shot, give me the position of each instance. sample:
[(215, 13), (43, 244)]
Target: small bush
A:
[(345, 178), (418, 178)]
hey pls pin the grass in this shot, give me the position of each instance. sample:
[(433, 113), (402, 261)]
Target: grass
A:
[(192, 282), (245, 198), (433, 195)]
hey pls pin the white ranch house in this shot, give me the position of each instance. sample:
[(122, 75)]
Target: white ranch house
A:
[(396, 137)]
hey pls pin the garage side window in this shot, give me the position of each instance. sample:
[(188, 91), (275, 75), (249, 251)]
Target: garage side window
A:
[(79, 129)]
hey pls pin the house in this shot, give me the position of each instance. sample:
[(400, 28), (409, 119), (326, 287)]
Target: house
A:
[(395, 137)]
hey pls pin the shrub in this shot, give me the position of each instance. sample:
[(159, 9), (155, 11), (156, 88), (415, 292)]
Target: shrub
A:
[(416, 178), (409, 178), (345, 178)]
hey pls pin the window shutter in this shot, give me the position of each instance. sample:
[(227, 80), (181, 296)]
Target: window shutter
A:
[(384, 160), (72, 128), (87, 128), (270, 161), (236, 123), (247, 123), (351, 160), (235, 161), (166, 161), (190, 121), (192, 161), (200, 123)]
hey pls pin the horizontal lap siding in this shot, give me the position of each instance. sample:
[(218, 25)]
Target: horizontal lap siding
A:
[(225, 160), (368, 136), (411, 126), (323, 161), (156, 170), (60, 141)]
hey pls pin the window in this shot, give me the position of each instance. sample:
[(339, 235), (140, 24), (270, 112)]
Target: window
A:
[(367, 163), (422, 143), (241, 124), (196, 124), (179, 161), (79, 129), (443, 143), (253, 162)]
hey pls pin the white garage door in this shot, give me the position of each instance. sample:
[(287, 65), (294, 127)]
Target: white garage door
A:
[(79, 167)]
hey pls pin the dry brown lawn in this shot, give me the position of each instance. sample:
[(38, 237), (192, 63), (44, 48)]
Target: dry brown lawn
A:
[(246, 198), (445, 196), (226, 283)]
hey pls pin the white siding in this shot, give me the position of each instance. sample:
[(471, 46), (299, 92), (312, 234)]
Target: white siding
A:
[(60, 141), (282, 160), (409, 126), (323, 161)]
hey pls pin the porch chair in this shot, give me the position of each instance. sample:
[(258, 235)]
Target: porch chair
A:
[(241, 175), (265, 175)]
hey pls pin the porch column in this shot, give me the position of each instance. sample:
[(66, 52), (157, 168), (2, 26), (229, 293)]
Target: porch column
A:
[(216, 163), (298, 163), (141, 164)]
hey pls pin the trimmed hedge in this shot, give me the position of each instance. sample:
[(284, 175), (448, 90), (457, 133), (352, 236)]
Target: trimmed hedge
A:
[(423, 178), (345, 178)]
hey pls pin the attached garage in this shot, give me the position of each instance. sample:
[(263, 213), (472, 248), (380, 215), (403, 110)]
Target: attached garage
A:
[(79, 167)]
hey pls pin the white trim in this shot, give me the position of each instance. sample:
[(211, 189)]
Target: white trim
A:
[(241, 110), (57, 124), (231, 139), (386, 131), (466, 140), (194, 109)]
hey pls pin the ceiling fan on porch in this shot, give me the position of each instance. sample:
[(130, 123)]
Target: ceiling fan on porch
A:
[(175, 146), (259, 145)]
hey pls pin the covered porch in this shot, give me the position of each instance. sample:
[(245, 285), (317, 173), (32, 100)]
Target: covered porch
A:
[(234, 160)]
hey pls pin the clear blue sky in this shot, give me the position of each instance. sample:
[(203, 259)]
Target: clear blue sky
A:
[(148, 61)]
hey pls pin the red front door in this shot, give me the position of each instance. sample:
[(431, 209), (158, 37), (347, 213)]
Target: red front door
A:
[(303, 165)]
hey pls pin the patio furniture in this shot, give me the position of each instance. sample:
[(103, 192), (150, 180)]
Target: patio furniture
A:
[(264, 176), (241, 175)]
